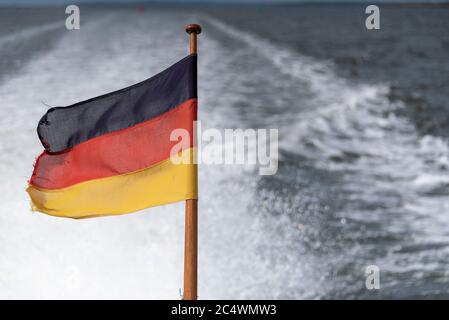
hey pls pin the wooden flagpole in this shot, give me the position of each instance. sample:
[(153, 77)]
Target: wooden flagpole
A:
[(191, 225)]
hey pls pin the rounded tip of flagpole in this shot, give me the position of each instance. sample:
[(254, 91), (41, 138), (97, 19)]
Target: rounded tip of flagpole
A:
[(193, 28)]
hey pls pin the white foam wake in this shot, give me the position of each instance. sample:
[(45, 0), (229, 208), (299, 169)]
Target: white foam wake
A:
[(344, 119), (30, 32), (354, 128)]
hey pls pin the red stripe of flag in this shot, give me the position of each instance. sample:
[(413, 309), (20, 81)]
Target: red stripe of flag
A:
[(118, 152)]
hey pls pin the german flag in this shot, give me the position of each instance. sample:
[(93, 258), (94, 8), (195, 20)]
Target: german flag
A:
[(111, 154)]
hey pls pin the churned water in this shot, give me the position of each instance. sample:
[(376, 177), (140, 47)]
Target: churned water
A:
[(363, 173)]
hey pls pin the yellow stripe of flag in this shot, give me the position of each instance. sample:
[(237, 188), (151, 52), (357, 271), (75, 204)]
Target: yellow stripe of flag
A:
[(159, 184)]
